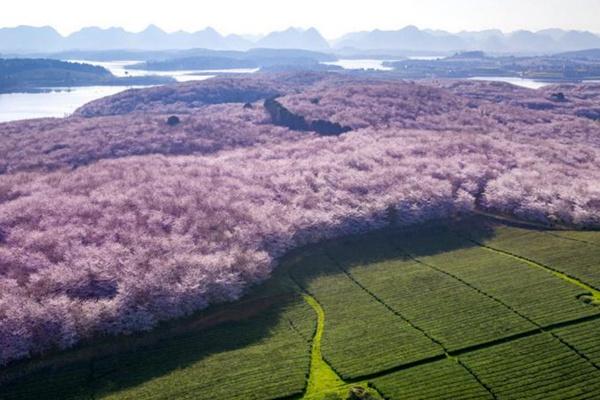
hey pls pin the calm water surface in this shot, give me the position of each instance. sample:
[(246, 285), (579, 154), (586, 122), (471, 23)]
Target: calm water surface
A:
[(527, 83), (373, 64), (58, 103), (119, 68), (377, 65), (361, 64), (61, 102)]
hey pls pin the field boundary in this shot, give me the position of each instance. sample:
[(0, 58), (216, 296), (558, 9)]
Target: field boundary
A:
[(595, 293), (184, 328), (446, 355), (462, 281), (550, 233), (318, 364), (457, 353), (513, 221), (322, 377), (383, 303), (522, 335), (559, 274), (453, 354)]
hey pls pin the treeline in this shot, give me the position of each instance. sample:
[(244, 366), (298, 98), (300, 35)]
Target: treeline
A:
[(164, 220), (21, 74), (575, 67), (257, 58)]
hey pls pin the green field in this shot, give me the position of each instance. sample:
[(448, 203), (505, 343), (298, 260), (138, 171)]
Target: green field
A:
[(445, 379), (455, 310)]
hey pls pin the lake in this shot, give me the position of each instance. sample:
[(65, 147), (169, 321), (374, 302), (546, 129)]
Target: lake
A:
[(376, 65), (60, 102), (57, 103), (523, 82), (119, 68)]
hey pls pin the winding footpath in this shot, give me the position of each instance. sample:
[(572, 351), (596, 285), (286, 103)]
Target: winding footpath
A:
[(322, 379)]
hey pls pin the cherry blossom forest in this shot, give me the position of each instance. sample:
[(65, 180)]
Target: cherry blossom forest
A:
[(112, 220)]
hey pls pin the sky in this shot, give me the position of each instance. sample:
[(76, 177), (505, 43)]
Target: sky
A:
[(333, 18)]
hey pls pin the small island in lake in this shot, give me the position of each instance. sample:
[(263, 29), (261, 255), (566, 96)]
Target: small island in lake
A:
[(32, 75)]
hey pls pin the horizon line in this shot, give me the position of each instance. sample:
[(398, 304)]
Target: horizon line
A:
[(302, 28)]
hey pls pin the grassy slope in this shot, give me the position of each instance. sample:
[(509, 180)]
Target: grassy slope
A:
[(535, 367), (452, 381), (453, 313), (528, 289), (250, 355), (576, 258), (585, 338), (363, 336), (424, 314)]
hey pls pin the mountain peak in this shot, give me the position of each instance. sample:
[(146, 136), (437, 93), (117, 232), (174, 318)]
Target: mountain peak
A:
[(211, 30), (410, 28), (29, 39), (295, 38), (153, 29)]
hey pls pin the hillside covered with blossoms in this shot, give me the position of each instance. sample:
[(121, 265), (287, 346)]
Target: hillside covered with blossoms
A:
[(113, 220)]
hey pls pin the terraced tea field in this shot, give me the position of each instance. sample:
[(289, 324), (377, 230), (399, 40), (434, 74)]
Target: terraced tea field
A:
[(456, 310)]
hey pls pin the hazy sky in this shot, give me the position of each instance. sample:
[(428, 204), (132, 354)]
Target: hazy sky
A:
[(331, 17)]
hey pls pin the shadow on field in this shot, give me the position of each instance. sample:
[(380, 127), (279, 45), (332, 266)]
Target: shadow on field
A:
[(442, 238), (95, 371), (403, 243), (115, 364), (338, 257)]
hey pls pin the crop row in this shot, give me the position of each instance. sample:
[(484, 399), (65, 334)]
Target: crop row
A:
[(454, 313), (261, 357), (590, 237), (536, 367), (584, 337), (575, 258), (445, 379), (362, 336), (383, 311), (527, 289)]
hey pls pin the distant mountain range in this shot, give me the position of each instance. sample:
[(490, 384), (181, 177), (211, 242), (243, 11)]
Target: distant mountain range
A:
[(413, 39), (27, 40)]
